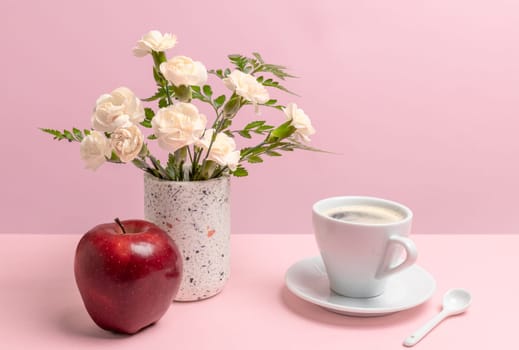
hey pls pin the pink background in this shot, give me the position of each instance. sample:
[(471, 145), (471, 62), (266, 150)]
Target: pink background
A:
[(419, 98)]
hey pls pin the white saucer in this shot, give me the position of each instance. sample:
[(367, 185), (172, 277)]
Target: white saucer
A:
[(308, 280)]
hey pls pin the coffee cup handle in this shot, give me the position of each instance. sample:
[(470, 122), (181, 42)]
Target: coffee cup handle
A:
[(411, 254)]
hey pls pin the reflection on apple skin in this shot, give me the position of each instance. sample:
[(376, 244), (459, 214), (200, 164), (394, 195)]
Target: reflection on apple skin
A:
[(143, 249)]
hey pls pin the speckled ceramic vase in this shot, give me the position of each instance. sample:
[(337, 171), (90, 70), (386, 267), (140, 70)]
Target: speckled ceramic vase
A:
[(196, 214)]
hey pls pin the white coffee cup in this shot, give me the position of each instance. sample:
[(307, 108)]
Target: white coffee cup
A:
[(361, 240)]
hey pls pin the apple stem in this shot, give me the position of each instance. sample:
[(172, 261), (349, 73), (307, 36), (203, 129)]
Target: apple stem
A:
[(120, 224)]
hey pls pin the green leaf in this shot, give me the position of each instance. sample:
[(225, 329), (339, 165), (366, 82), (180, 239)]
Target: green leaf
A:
[(260, 79), (245, 150), (86, 132), (256, 64), (254, 124), (273, 154), (56, 133), (149, 113), (283, 131), (197, 94), (228, 133), (170, 167), (146, 123), (286, 147), (227, 72), (68, 135), (77, 134), (163, 103), (270, 102), (219, 101), (254, 159), (240, 172), (265, 128), (144, 152), (258, 57), (217, 72), (208, 91), (275, 84), (158, 167), (245, 133), (239, 61), (152, 137), (139, 163), (277, 70), (298, 145), (160, 93), (171, 160)]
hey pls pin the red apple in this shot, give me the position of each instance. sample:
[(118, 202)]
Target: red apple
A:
[(128, 274)]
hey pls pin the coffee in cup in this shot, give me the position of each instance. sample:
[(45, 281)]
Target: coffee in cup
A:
[(365, 214), (361, 240)]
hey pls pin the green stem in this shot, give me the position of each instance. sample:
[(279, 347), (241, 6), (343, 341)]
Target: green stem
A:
[(168, 97), (190, 155), (218, 116), (196, 159), (158, 59), (215, 110), (220, 172), (213, 138)]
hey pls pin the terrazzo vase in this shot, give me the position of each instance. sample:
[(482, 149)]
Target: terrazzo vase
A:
[(196, 214)]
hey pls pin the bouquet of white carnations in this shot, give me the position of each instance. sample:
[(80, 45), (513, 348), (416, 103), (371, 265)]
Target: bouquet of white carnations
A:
[(196, 150)]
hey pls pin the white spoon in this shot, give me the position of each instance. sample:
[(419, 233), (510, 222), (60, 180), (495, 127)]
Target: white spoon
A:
[(455, 301)]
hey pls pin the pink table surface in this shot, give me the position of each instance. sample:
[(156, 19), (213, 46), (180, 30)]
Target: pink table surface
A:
[(40, 307)]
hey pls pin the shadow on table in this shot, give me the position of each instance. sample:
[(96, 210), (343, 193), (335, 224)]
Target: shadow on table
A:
[(320, 315), (76, 322)]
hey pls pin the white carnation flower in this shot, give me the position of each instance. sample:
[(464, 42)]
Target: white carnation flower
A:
[(154, 41), (178, 126), (127, 142), (223, 150), (300, 121), (182, 70), (246, 86), (117, 109), (94, 150)]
